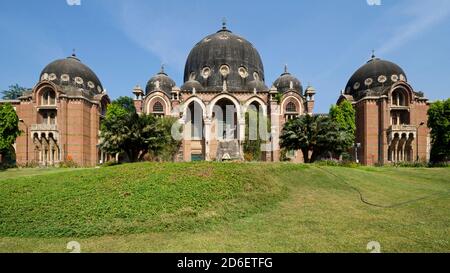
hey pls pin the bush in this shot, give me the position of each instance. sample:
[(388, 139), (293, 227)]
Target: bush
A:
[(68, 163), (28, 165), (335, 163), (110, 163), (411, 165), (439, 165)]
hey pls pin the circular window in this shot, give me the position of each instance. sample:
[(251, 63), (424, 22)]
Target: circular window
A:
[(243, 72), (99, 89), (256, 76), (79, 80), (394, 78), (65, 78), (206, 72), (402, 77), (368, 81), (52, 77), (44, 77), (224, 70), (382, 79), (356, 85), (91, 85)]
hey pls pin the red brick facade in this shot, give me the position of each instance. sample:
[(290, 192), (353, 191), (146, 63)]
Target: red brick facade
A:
[(392, 132), (60, 122)]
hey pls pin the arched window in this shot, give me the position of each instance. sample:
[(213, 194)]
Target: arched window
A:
[(291, 111), (399, 98), (195, 120), (48, 97), (291, 108), (158, 108)]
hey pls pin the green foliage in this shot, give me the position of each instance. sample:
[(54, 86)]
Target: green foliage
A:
[(9, 128), (126, 103), (68, 164), (278, 97), (164, 147), (124, 131), (335, 163), (411, 165), (14, 92), (204, 207), (316, 134), (252, 148), (439, 122), (344, 115), (134, 198)]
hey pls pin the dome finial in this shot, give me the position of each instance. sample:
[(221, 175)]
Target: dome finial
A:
[(74, 52), (163, 66), (373, 54), (285, 68), (224, 23)]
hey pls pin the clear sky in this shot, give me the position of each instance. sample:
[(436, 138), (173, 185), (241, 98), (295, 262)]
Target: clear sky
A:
[(322, 41)]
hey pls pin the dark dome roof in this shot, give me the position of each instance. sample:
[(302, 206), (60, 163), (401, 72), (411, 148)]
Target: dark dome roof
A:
[(71, 71), (190, 85), (163, 80), (224, 55), (288, 82), (375, 73)]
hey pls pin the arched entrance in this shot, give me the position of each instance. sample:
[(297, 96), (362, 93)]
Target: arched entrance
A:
[(226, 119), (194, 140), (225, 130)]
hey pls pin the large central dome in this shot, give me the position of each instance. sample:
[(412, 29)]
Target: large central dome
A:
[(224, 61)]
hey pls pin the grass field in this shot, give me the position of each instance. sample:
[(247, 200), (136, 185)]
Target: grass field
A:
[(209, 207)]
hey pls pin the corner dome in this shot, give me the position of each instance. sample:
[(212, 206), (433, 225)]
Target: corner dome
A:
[(72, 72), (225, 56), (160, 82), (190, 85), (374, 74), (287, 82)]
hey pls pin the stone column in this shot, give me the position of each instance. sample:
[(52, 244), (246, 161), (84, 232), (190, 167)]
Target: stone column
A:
[(241, 137), (207, 122)]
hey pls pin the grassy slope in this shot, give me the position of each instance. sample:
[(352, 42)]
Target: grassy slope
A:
[(214, 207)]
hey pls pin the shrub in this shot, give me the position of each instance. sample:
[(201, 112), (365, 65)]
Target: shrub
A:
[(335, 163)]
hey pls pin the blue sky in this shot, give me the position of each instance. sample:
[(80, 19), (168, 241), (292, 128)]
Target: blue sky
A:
[(323, 42)]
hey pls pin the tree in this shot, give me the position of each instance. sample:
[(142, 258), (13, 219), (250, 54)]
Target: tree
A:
[(9, 128), (344, 115), (14, 92), (124, 131), (439, 122), (115, 129), (256, 125), (315, 135), (126, 103), (164, 147)]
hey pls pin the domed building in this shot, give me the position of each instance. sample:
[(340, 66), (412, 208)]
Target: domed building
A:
[(61, 116), (223, 80), (391, 117)]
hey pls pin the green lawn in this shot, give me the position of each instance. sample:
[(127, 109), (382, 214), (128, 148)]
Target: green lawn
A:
[(210, 207)]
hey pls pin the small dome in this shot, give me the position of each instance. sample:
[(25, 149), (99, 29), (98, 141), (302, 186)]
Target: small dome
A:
[(224, 56), (160, 82), (258, 85), (375, 73), (287, 82), (190, 85), (71, 71)]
